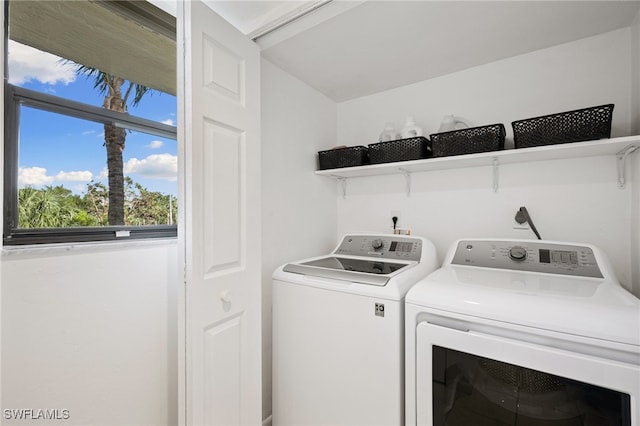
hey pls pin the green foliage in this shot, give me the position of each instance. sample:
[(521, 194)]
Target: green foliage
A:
[(51, 207), (58, 207), (97, 202), (106, 82), (83, 218), (144, 207)]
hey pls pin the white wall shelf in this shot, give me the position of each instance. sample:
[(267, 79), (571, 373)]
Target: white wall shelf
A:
[(620, 147)]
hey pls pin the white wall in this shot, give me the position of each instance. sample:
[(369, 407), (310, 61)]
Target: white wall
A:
[(635, 74), (635, 159), (299, 209), (92, 329), (588, 72), (571, 200)]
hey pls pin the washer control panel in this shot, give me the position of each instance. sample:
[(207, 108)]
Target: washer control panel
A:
[(528, 256), (381, 246)]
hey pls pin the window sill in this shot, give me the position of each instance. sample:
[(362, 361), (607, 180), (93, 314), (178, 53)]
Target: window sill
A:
[(57, 249)]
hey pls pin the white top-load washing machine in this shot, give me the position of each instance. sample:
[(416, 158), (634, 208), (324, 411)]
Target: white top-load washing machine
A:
[(338, 333), (522, 332)]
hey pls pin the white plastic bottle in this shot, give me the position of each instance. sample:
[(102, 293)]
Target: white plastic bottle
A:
[(389, 133), (410, 129)]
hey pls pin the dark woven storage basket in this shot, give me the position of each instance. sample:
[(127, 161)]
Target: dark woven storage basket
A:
[(400, 150), (468, 141), (343, 157), (571, 126)]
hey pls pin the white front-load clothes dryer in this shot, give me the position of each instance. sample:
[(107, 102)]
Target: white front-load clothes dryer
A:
[(522, 332), (338, 340)]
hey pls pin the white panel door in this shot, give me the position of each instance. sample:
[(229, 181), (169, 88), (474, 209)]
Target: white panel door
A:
[(220, 219)]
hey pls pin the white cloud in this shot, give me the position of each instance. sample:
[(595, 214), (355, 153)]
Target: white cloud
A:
[(104, 174), (155, 144), (79, 189), (34, 176), (78, 176), (156, 166), (37, 176), (27, 63), (169, 121)]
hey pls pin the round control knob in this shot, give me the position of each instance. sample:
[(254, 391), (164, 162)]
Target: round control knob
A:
[(518, 253), (377, 244)]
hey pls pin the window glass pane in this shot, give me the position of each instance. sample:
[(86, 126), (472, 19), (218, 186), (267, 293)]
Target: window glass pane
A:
[(73, 172), (43, 72), (63, 174), (472, 390)]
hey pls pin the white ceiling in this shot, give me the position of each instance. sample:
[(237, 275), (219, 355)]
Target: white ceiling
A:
[(250, 16), (367, 47)]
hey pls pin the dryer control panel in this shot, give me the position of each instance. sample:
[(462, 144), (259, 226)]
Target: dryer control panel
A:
[(531, 256), (381, 246)]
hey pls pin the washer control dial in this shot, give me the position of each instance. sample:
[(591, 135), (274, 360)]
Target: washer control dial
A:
[(377, 244), (518, 253)]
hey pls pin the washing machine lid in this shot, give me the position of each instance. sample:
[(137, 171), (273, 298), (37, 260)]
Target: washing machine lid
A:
[(361, 270), (366, 258), (564, 302)]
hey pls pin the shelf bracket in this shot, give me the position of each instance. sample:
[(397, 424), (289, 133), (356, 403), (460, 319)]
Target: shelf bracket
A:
[(407, 180), (496, 175), (621, 160), (343, 185)]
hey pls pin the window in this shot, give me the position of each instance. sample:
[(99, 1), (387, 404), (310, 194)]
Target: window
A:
[(90, 136)]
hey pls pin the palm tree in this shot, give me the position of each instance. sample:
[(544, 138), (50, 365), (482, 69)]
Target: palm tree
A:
[(111, 87), (50, 207)]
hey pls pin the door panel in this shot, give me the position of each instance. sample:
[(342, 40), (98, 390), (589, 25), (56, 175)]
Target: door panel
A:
[(221, 242), (223, 71), (224, 233), (223, 403)]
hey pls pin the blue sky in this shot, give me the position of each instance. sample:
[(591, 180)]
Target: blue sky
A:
[(59, 150)]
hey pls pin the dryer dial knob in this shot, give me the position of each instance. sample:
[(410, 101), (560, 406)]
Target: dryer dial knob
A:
[(518, 253), (377, 244)]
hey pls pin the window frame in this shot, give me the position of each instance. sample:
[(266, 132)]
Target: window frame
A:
[(15, 97)]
